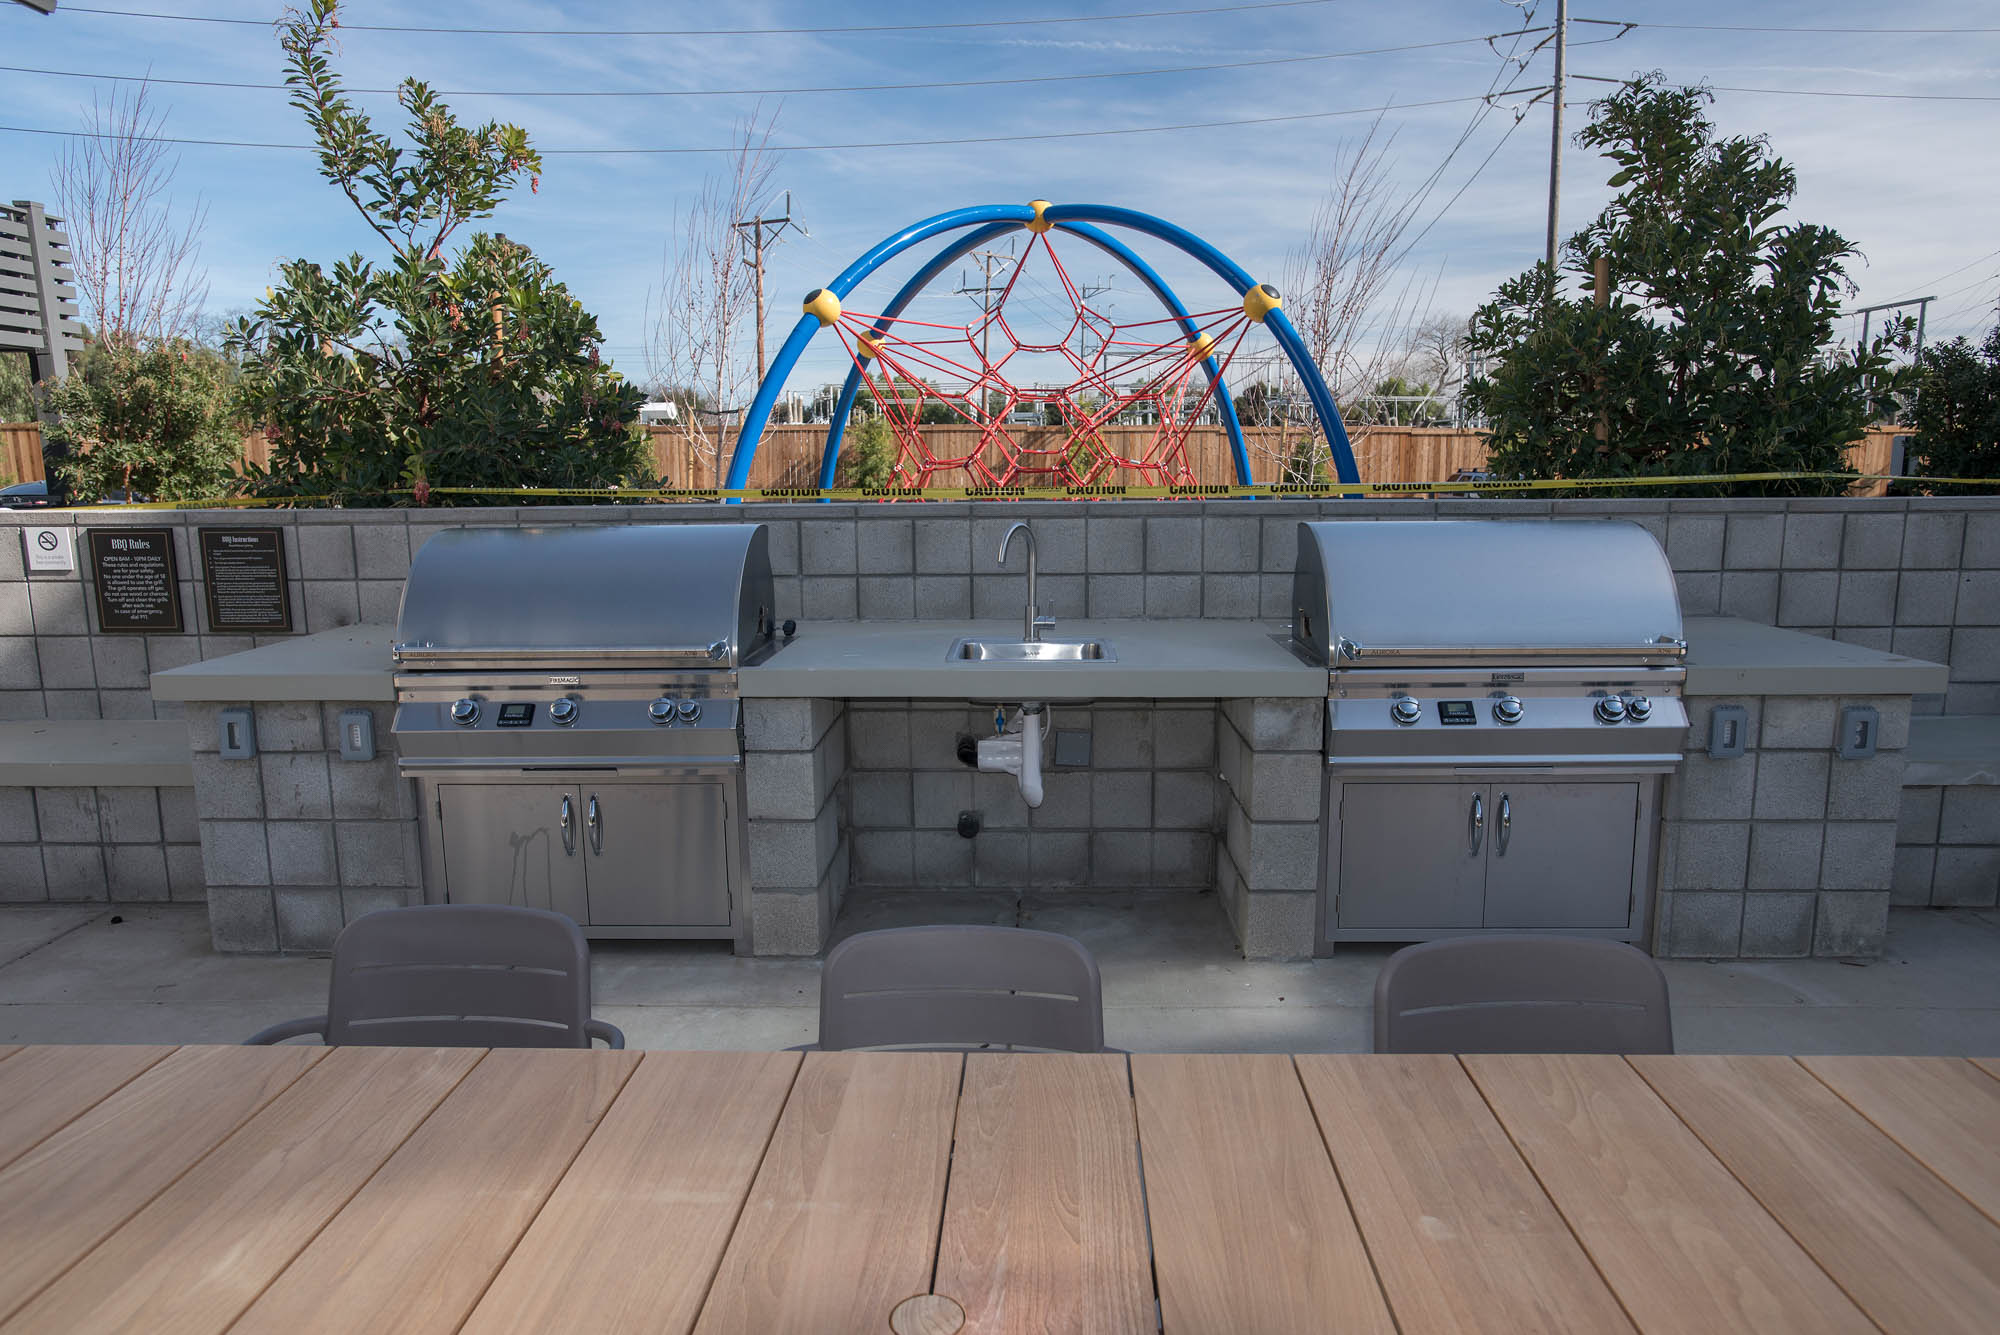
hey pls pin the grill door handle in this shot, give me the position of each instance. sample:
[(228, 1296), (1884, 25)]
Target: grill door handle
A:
[(1478, 820), (1506, 824), (568, 834), (596, 825)]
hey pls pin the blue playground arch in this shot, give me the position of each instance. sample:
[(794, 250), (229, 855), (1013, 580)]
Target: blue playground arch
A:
[(994, 220)]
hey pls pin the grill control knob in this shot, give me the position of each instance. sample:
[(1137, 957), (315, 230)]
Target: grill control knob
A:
[(1638, 708), (661, 710), (465, 712), (562, 711), (1406, 710), (1507, 709), (1610, 709), (689, 710)]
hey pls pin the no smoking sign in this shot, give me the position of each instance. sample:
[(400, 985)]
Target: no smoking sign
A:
[(49, 551)]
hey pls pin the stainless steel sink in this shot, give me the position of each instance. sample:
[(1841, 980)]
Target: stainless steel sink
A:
[(1031, 651)]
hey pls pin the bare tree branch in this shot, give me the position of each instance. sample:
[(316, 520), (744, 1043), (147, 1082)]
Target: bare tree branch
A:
[(697, 322), (1341, 283), (135, 263)]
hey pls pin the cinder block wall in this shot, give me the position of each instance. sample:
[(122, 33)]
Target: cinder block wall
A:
[(126, 845), (795, 767), (1919, 577), (1948, 847), (1142, 815), (297, 842), (1787, 850)]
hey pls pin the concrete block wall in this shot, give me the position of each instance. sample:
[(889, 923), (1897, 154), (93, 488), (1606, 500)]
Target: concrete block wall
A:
[(1918, 576), (794, 763), (1142, 814), (1948, 847), (1270, 757), (1787, 850), (296, 842), (124, 845)]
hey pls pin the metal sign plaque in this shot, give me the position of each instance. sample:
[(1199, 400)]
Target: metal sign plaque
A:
[(137, 580), (243, 579), (48, 551)]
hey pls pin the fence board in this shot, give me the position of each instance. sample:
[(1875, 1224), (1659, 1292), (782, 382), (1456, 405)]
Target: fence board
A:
[(790, 454)]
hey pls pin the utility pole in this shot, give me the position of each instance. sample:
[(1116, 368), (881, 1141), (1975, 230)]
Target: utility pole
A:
[(1556, 130), (756, 227), (988, 262)]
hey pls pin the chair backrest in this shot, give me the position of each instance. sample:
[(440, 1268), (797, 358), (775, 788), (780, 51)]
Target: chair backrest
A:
[(961, 986), (460, 975), (1522, 994)]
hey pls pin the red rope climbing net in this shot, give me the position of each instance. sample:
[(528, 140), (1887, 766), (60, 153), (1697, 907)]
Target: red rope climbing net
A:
[(1105, 370)]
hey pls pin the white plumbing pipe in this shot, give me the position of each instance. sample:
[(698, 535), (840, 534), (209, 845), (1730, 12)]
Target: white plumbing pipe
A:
[(1018, 753)]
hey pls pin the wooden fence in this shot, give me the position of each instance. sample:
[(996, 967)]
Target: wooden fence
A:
[(790, 454)]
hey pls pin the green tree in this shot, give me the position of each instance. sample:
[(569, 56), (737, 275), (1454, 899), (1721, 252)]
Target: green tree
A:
[(1711, 353), (475, 371), (1957, 414), (867, 454), (17, 395), (156, 420)]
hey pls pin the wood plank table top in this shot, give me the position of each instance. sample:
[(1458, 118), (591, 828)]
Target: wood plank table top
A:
[(298, 1189)]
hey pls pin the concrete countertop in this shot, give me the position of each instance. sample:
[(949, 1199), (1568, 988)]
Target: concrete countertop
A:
[(347, 663), (1953, 750), (1156, 660), (101, 753), (1731, 657)]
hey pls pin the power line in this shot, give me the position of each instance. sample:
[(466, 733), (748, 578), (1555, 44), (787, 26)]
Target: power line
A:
[(787, 92), (821, 148), (729, 32), (1961, 269), (1822, 92), (1732, 27)]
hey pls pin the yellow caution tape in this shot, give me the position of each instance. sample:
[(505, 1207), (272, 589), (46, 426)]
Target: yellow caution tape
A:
[(1201, 492)]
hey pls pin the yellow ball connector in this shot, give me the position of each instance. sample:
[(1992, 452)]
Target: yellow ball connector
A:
[(1260, 301), (821, 304)]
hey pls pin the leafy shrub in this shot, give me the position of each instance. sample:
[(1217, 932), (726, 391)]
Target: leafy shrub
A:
[(155, 420), (1957, 414), (420, 372)]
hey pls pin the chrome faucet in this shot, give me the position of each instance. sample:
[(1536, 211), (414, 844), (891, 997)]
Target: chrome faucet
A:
[(1032, 626)]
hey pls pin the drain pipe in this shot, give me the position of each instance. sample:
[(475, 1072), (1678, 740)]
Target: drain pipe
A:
[(1018, 753)]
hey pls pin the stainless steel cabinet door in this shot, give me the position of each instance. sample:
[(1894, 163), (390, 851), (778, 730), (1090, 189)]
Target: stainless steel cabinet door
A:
[(657, 853), (505, 844), (1412, 854), (1561, 854)]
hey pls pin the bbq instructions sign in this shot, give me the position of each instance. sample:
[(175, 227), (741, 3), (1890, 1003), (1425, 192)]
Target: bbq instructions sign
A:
[(137, 580), (243, 579)]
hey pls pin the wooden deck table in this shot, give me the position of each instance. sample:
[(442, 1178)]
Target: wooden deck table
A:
[(292, 1190)]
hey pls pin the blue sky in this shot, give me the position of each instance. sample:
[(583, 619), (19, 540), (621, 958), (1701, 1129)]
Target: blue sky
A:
[(1912, 183)]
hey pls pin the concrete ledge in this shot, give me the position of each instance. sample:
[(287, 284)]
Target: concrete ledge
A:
[(95, 753), (1950, 751), (1731, 657), (349, 663)]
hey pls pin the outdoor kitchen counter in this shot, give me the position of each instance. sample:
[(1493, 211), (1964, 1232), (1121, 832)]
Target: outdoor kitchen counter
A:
[(1156, 660), (347, 663), (1731, 657), (1161, 660)]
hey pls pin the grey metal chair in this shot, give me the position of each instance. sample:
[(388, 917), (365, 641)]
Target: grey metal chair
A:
[(961, 986), (1522, 994), (457, 975)]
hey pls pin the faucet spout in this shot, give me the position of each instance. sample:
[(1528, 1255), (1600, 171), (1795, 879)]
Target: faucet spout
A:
[(1032, 625)]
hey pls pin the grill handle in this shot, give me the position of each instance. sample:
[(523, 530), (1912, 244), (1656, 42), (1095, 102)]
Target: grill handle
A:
[(568, 834), (596, 824), (1477, 818), (1506, 824)]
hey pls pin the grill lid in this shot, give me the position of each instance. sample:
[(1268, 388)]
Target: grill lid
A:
[(671, 595), (1446, 592)]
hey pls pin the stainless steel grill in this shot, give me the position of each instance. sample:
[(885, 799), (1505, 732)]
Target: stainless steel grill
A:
[(567, 702), (1502, 697)]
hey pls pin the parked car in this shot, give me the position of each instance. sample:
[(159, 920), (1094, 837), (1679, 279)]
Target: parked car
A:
[(27, 496)]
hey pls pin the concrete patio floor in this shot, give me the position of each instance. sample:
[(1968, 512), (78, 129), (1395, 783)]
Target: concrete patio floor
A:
[(1172, 982)]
